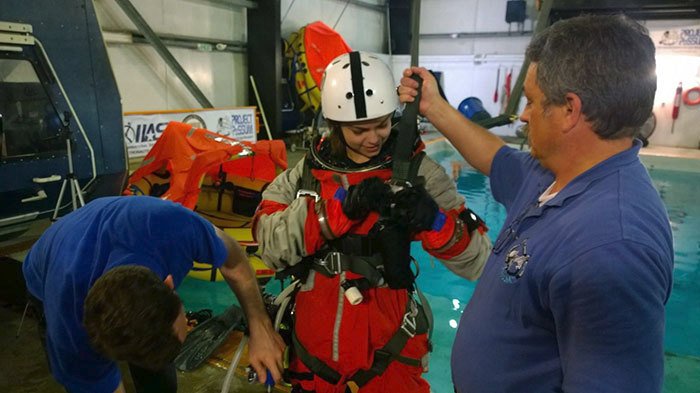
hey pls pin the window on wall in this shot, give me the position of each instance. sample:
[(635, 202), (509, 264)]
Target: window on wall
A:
[(30, 124)]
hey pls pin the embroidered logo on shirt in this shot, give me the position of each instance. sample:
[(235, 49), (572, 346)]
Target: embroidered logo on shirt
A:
[(516, 260)]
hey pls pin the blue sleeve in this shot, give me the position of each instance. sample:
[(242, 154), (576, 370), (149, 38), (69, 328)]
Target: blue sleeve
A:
[(608, 308), (206, 246), (509, 169), (167, 238), (190, 238)]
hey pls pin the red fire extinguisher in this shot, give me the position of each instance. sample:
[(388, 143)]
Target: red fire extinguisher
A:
[(676, 105)]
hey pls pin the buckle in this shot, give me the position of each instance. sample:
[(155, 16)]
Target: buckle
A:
[(308, 193), (331, 263), (398, 185), (408, 325)]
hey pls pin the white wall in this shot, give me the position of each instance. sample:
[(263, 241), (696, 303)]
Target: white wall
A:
[(469, 65), (147, 83), (468, 16)]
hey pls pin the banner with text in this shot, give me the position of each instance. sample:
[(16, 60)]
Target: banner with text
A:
[(677, 38), (141, 129)]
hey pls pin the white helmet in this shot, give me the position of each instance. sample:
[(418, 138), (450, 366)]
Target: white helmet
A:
[(357, 86)]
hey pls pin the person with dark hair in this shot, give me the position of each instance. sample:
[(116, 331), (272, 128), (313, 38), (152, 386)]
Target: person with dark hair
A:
[(102, 281), (572, 297), (333, 222)]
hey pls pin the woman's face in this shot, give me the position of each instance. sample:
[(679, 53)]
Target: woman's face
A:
[(364, 140)]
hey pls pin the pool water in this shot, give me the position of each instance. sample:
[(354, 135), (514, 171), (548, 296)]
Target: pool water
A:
[(449, 294), (680, 191)]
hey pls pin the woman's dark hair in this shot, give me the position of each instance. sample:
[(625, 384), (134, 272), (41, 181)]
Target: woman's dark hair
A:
[(336, 141), (129, 315)]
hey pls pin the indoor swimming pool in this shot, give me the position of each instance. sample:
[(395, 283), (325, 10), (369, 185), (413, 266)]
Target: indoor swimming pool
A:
[(449, 294)]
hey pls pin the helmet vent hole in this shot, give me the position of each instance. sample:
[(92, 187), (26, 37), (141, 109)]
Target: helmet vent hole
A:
[(348, 95), (369, 93), (365, 63), (346, 65)]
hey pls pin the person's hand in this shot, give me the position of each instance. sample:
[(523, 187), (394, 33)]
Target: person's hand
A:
[(415, 208), (265, 351), (371, 194), (430, 94)]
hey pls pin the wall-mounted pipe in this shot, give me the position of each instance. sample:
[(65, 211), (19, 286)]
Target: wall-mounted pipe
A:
[(188, 42), (483, 34), (375, 7), (232, 3)]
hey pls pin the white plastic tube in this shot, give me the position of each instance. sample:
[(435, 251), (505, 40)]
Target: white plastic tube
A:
[(234, 363)]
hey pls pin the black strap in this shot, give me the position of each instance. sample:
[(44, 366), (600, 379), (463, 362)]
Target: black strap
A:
[(358, 87), (365, 266), (413, 168), (315, 364), (471, 220), (382, 357), (406, 141), (307, 181)]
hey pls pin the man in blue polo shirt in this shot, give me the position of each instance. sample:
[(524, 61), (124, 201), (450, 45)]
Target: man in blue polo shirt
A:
[(572, 297), (104, 275)]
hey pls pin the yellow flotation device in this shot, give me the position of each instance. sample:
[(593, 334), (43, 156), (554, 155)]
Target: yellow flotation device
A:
[(244, 236), (308, 52)]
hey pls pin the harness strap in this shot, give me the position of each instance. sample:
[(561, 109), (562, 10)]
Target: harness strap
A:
[(384, 356), (308, 185), (316, 365), (335, 263), (414, 322), (427, 313)]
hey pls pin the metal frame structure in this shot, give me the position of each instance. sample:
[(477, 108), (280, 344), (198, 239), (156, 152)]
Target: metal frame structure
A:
[(163, 51)]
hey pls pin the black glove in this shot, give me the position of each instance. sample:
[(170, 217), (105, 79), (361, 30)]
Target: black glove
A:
[(371, 194), (415, 208)]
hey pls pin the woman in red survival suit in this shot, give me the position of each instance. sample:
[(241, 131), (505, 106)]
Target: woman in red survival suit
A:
[(335, 223)]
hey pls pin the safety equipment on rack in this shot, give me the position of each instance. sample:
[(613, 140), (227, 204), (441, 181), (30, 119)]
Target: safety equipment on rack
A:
[(308, 51), (357, 86)]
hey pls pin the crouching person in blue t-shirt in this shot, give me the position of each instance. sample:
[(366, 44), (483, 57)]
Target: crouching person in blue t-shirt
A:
[(104, 277)]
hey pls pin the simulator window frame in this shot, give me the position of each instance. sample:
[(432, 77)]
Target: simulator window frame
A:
[(30, 127)]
